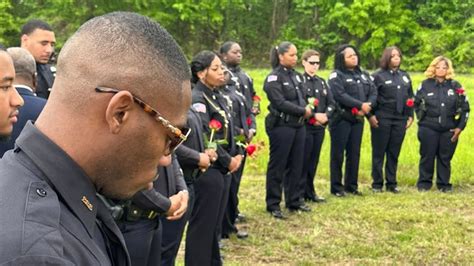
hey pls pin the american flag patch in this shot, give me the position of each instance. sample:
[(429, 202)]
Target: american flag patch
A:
[(272, 78), (199, 107)]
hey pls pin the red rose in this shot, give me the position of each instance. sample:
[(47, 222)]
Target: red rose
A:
[(251, 148), (312, 120), (354, 111), (460, 91), (249, 121), (410, 102), (316, 102), (215, 125), (255, 98)]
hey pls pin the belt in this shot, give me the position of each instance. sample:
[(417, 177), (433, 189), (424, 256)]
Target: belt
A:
[(287, 118), (134, 213)]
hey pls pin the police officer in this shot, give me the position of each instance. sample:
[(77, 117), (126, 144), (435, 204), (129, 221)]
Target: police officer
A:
[(38, 38), (284, 126), (442, 109), (140, 223), (355, 96), (392, 116), (317, 96), (211, 196), (231, 54)]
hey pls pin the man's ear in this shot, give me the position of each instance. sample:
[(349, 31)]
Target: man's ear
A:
[(24, 39), (118, 110)]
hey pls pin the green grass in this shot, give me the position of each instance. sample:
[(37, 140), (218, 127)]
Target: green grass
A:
[(408, 228)]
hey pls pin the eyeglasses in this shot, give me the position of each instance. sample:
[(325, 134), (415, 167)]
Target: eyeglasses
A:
[(176, 137), (313, 63)]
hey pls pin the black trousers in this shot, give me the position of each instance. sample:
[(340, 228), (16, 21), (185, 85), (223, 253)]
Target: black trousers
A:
[(435, 145), (285, 165), (387, 142), (232, 209), (312, 149), (223, 206), (172, 232), (143, 240), (201, 238), (346, 137)]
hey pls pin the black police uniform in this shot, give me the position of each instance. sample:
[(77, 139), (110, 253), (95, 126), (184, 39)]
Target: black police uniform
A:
[(46, 74), (140, 223), (440, 107), (241, 115), (202, 246), (315, 87), (50, 213), (284, 126), (350, 90), (394, 88)]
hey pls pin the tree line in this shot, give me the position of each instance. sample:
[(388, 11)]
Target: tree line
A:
[(422, 29)]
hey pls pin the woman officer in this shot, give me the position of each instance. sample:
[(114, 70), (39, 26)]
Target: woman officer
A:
[(355, 96), (393, 115), (442, 110), (316, 90), (202, 240), (284, 126)]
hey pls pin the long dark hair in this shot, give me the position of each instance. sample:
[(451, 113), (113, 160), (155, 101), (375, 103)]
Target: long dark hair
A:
[(280, 49), (200, 62), (339, 62), (387, 56)]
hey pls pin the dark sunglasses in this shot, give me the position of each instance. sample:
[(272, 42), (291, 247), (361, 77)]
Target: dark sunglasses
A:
[(176, 137), (313, 63)]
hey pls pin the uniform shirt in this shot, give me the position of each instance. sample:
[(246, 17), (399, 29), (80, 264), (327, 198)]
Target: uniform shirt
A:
[(240, 109), (212, 105), (441, 103), (285, 92), (29, 111), (45, 79), (394, 88), (50, 212), (316, 87), (244, 84), (189, 152), (352, 88)]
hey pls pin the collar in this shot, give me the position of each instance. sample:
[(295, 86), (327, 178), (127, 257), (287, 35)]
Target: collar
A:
[(25, 89), (65, 176), (234, 69)]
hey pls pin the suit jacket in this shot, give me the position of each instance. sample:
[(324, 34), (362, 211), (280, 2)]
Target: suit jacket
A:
[(30, 111), (45, 79)]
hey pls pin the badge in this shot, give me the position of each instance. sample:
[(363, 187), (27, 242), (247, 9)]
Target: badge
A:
[(388, 82), (405, 78), (199, 107), (272, 78), (348, 80), (333, 75), (298, 78), (450, 92)]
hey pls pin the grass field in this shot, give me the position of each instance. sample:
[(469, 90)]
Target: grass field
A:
[(407, 228)]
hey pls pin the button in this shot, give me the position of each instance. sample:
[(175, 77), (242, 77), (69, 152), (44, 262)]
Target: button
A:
[(41, 192)]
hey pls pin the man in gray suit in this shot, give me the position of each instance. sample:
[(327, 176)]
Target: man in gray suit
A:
[(100, 132)]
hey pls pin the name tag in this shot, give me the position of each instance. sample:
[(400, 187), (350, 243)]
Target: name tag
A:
[(388, 82), (430, 94), (286, 83), (348, 80)]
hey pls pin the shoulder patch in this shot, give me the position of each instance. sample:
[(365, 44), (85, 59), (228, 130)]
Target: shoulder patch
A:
[(272, 78), (333, 75), (199, 107)]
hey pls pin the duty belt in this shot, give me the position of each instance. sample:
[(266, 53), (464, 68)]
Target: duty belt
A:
[(287, 118), (134, 213)]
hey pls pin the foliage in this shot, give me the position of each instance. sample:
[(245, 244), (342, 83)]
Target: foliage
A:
[(422, 29)]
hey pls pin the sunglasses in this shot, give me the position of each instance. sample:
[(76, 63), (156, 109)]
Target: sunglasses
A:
[(176, 136), (313, 63)]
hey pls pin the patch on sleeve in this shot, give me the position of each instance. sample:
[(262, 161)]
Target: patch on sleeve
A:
[(199, 107), (272, 78), (333, 75)]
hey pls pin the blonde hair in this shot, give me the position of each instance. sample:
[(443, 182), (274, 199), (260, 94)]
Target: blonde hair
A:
[(431, 70)]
